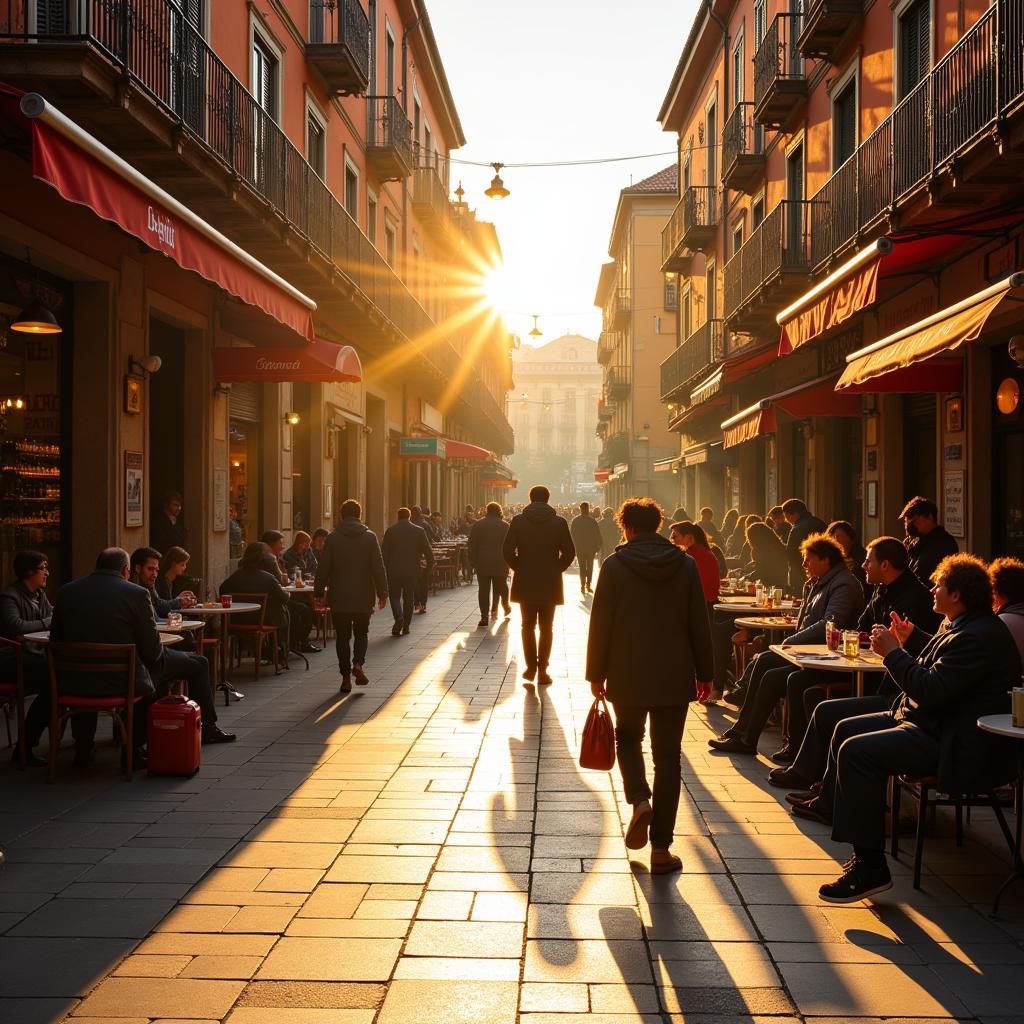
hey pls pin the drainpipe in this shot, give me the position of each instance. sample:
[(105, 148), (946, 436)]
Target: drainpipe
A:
[(725, 116)]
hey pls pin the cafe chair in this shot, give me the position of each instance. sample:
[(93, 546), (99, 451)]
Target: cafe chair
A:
[(12, 693), (322, 622), (929, 798), (86, 665), (257, 630)]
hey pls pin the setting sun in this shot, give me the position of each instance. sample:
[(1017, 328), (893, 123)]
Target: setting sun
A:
[(496, 286)]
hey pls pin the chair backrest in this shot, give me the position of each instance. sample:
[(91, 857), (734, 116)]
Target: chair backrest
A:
[(12, 663), (258, 617), (85, 664)]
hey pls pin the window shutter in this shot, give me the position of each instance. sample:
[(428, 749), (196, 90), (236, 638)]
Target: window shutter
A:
[(51, 17), (915, 45)]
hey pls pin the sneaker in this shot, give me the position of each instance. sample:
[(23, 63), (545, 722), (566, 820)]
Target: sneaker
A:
[(361, 677), (858, 882)]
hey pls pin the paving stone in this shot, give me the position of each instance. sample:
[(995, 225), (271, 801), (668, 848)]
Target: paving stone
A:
[(27, 965), (448, 906), (282, 855), (614, 961), (330, 959), (152, 966), (326, 994), (303, 1015), (163, 997), (380, 869), (744, 1002), (37, 1011), (333, 901), (222, 967), (97, 918), (197, 919), (499, 906), (450, 1002), (465, 938), (434, 968), (623, 998), (606, 890), (556, 997)]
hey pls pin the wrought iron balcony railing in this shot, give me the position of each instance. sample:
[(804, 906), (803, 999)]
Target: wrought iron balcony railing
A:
[(389, 138), (780, 78), (700, 351), (743, 156), (339, 44), (620, 316)]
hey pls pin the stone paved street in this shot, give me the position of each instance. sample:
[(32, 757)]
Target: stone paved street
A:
[(427, 850)]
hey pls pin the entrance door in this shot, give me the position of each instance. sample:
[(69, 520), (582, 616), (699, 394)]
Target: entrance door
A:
[(166, 421), (794, 208), (919, 440)]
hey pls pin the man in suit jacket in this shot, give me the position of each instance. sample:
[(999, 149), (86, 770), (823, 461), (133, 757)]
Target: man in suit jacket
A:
[(406, 550), (946, 682), (802, 525), (649, 644), (539, 549), (486, 540), (586, 538), (351, 569)]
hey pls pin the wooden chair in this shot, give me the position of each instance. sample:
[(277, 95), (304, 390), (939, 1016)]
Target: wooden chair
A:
[(322, 621), (12, 696), (928, 796), (257, 631), (89, 660)]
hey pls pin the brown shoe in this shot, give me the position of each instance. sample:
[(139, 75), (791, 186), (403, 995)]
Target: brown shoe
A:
[(664, 862), (811, 813), (361, 677), (346, 684), (636, 834), (799, 798)]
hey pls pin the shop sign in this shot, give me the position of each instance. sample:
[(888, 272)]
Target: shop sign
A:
[(1002, 262), (953, 502), (834, 350), (431, 416), (421, 447), (346, 395), (913, 305)]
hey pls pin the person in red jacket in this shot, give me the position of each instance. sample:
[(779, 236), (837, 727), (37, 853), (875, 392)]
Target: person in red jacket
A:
[(694, 541)]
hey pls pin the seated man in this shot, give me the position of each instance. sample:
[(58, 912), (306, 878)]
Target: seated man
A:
[(946, 682), (25, 608), (896, 589), (105, 607), (145, 568), (256, 575), (300, 613), (831, 592)]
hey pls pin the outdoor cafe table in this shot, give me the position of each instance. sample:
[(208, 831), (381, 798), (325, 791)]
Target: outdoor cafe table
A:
[(746, 606), (769, 625), (818, 656), (236, 608), (43, 637), (1002, 725)]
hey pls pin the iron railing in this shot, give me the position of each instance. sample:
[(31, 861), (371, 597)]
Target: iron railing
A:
[(342, 23), (616, 449), (156, 47), (778, 58), (701, 350), (742, 136), (968, 91), (780, 242), (617, 379), (389, 127), (428, 190), (700, 207), (672, 233)]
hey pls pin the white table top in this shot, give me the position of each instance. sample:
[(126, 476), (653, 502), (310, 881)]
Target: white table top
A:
[(186, 626), (238, 606), (292, 589), (742, 606), (820, 657), (1002, 725), (763, 622), (43, 637)]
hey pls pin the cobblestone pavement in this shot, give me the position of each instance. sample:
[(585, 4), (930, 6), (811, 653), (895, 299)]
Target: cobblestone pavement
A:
[(427, 850)]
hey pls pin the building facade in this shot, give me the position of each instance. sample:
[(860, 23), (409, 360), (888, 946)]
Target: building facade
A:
[(848, 201), (638, 316), (285, 169), (553, 410)]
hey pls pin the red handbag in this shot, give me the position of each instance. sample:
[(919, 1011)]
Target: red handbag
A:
[(597, 747)]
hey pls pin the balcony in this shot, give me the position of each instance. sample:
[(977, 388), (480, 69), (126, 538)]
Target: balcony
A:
[(770, 269), (389, 145), (339, 45), (700, 351), (618, 381), (700, 217), (602, 428), (430, 204), (606, 344), (620, 312), (827, 25), (616, 450), (604, 411), (780, 79), (743, 158)]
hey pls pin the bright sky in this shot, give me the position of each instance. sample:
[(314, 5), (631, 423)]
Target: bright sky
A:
[(537, 80)]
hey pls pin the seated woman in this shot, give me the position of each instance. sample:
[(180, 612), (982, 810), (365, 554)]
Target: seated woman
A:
[(299, 555), (694, 541), (173, 564), (256, 574), (845, 534), (768, 560)]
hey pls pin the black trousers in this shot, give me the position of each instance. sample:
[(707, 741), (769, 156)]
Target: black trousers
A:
[(403, 596), (36, 673), (867, 750), (194, 669), (352, 630), (722, 630), (804, 692), (667, 725), (422, 587), (767, 684), (301, 615), (586, 564), (537, 617), (812, 761), (491, 591)]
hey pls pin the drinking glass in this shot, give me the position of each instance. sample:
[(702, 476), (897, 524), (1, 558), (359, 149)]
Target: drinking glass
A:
[(851, 643)]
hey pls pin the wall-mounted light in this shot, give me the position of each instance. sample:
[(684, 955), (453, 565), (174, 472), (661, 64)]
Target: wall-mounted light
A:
[(144, 366), (292, 419)]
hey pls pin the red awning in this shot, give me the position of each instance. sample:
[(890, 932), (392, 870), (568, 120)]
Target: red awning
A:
[(745, 426), (85, 171), (693, 411), (320, 362), (739, 365), (465, 450), (933, 375), (601, 475), (498, 481)]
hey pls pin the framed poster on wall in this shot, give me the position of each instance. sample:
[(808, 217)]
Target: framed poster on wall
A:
[(220, 500), (133, 488), (871, 499), (953, 502)]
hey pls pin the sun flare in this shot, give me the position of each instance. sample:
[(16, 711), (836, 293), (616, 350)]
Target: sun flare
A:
[(496, 287)]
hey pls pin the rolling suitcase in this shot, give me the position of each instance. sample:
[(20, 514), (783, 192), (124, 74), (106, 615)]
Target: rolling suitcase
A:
[(175, 736)]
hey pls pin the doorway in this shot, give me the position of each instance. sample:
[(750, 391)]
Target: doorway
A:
[(919, 441), (794, 206), (167, 421)]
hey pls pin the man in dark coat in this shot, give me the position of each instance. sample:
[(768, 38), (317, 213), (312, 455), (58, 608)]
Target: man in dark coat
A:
[(649, 646), (946, 682), (417, 518), (168, 529), (486, 539), (611, 535), (406, 551), (351, 569), (927, 542), (586, 538), (539, 549), (802, 525)]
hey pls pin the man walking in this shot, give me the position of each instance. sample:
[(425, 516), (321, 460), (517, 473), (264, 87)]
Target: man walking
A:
[(586, 538), (539, 549), (406, 551), (418, 518), (649, 646), (610, 533), (486, 539), (352, 570)]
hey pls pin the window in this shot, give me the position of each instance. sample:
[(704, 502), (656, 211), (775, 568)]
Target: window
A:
[(760, 21), (352, 191), (264, 77), (756, 212), (416, 123), (687, 326), (737, 237), (686, 173), (738, 69), (915, 45), (844, 124), (389, 64), (712, 143), (711, 291), (390, 241), (316, 144), (428, 146), (671, 294), (371, 216)]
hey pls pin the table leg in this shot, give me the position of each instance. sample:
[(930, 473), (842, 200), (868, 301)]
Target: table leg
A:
[(1018, 859), (858, 683)]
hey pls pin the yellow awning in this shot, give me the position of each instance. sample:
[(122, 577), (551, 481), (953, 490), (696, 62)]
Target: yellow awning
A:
[(940, 332)]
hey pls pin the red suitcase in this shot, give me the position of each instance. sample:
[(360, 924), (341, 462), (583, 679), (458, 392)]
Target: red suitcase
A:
[(175, 736)]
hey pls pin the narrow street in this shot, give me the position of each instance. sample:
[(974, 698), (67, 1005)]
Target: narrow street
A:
[(428, 851)]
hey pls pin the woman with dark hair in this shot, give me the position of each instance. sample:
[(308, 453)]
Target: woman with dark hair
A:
[(769, 562), (729, 525), (845, 535), (173, 564), (723, 565)]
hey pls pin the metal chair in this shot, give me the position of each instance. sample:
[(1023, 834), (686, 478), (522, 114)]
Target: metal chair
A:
[(257, 631)]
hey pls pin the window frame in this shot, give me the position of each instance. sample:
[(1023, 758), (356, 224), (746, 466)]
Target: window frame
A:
[(314, 113), (841, 84), (899, 11), (351, 167), (259, 36)]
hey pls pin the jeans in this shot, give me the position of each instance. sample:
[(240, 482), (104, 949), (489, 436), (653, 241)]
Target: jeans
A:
[(488, 585), (586, 564), (346, 626), (666, 747), (403, 596), (867, 750), (534, 616)]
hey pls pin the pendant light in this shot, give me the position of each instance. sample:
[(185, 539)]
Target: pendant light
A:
[(35, 318), (497, 189), (536, 332)]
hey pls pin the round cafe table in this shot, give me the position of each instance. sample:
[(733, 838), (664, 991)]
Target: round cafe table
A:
[(1002, 725), (43, 637), (766, 624), (818, 656), (220, 614)]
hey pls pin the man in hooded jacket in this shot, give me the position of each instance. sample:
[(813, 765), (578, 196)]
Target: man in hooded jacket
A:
[(351, 569), (539, 549), (649, 646)]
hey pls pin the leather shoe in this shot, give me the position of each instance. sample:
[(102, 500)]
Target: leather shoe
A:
[(786, 778), (214, 734), (406, 631), (346, 684), (31, 761), (800, 797), (361, 678), (734, 697), (732, 745), (811, 813), (396, 629), (784, 755), (482, 624), (308, 648)]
